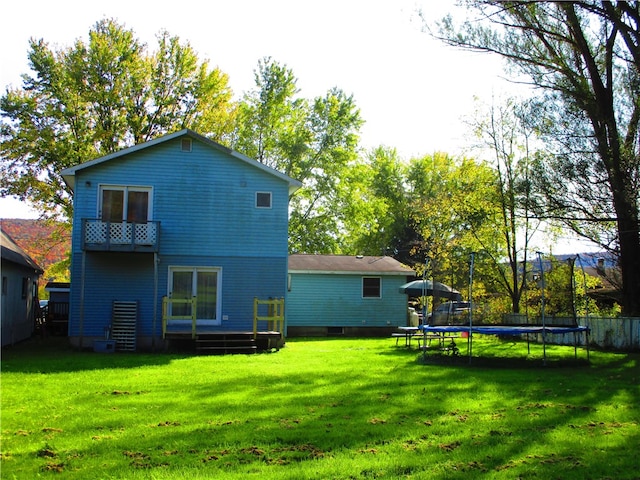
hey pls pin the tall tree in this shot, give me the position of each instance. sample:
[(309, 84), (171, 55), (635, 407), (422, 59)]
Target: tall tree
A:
[(318, 217), (504, 131), (95, 97), (585, 58), (269, 114), (313, 141), (453, 211), (376, 210)]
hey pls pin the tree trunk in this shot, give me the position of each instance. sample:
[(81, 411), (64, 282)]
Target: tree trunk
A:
[(629, 238)]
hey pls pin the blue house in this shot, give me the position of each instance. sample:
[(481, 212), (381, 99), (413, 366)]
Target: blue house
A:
[(345, 295), (175, 235)]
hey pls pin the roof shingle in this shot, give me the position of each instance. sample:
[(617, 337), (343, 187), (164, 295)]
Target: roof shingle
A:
[(381, 265)]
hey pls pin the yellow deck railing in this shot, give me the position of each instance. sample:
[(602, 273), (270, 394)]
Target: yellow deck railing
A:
[(274, 314), (167, 306), (271, 311)]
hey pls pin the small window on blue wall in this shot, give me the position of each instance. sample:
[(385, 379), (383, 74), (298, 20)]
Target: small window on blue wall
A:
[(25, 287), (371, 287), (263, 199)]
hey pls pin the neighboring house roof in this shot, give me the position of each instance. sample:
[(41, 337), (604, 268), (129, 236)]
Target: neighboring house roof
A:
[(69, 173), (347, 264), (45, 241), (11, 252), (58, 287)]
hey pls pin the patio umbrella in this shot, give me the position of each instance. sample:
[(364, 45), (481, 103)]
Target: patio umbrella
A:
[(418, 288)]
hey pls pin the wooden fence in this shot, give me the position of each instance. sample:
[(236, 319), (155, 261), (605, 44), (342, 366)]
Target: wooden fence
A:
[(621, 333)]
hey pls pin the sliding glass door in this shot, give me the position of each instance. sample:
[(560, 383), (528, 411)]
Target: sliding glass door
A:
[(200, 282)]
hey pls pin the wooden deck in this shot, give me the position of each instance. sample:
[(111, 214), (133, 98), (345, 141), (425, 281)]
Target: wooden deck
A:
[(211, 341), (186, 330)]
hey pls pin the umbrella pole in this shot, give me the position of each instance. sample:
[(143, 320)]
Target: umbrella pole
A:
[(424, 291)]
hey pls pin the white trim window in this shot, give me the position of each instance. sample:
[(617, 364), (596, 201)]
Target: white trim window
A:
[(186, 145), (201, 282), (263, 199), (121, 203), (371, 287)]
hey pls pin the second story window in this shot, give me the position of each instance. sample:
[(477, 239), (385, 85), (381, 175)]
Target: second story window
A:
[(263, 199), (121, 203)]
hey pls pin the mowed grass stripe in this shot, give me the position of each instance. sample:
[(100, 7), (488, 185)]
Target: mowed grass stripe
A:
[(320, 408)]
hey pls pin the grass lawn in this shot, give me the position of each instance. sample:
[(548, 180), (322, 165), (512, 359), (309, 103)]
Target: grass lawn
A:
[(320, 408)]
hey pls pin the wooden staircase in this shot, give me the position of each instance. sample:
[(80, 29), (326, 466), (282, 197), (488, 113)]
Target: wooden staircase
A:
[(223, 343)]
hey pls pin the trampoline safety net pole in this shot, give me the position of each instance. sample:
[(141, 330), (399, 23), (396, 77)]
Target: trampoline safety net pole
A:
[(470, 336), (544, 328)]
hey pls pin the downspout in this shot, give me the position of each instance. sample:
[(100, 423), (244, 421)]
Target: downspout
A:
[(155, 300), (81, 323)]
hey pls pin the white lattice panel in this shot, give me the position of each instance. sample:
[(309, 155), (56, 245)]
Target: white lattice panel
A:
[(121, 233), (145, 233), (95, 232)]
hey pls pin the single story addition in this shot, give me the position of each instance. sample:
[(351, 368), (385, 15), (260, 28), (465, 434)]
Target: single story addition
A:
[(345, 295)]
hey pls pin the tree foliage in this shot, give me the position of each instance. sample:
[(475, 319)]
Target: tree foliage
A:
[(453, 209), (99, 96), (430, 212), (108, 93), (585, 59), (384, 225), (314, 141), (505, 132)]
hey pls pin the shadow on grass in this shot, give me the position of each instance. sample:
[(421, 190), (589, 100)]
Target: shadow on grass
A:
[(342, 404), (56, 355), (315, 413), (493, 354), (511, 363)]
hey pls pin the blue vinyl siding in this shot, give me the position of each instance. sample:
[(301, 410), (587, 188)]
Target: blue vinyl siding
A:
[(109, 277), (335, 300), (129, 277), (205, 201)]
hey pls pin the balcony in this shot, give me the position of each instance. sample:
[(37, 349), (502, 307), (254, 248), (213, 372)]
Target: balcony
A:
[(99, 236)]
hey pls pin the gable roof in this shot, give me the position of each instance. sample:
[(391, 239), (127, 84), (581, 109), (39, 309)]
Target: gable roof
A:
[(347, 264), (11, 252), (68, 174)]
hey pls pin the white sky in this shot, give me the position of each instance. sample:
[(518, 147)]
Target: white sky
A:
[(413, 91)]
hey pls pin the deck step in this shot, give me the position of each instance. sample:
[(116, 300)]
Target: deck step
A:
[(210, 343), (222, 344), (226, 349)]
